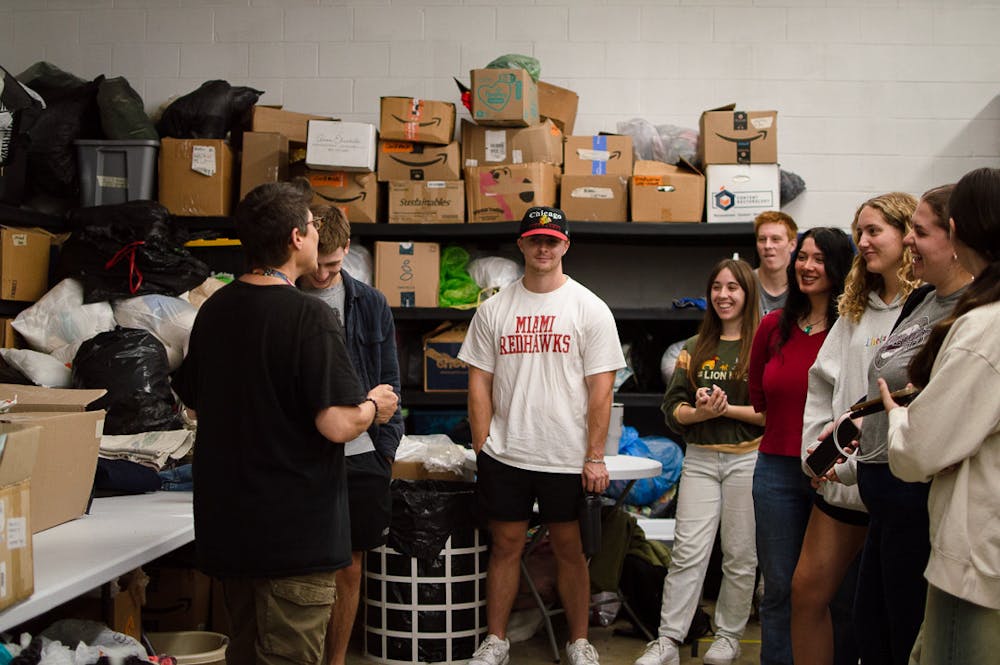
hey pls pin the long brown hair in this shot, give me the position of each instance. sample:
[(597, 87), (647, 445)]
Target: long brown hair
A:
[(710, 330), (975, 209), (896, 209)]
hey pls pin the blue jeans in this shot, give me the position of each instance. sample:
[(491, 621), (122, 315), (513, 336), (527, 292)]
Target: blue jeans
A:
[(782, 500), (889, 604), (957, 632)]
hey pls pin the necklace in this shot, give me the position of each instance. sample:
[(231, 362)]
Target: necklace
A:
[(807, 326), (271, 272)]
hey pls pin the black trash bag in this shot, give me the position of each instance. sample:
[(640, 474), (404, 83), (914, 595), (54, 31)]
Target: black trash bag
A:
[(127, 250), (210, 112), (131, 364), (19, 111), (425, 513), (123, 116), (71, 113), (791, 186)]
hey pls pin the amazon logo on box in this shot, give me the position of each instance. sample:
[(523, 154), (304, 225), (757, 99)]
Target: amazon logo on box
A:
[(405, 160)]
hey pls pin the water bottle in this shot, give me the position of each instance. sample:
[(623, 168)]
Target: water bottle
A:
[(590, 523)]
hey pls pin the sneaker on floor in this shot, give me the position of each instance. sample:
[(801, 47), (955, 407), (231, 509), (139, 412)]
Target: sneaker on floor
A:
[(661, 651), (492, 651), (724, 651), (582, 652)]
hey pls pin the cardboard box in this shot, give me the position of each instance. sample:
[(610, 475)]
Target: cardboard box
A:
[(504, 97), (422, 120), (443, 371), (196, 177), (408, 273), (404, 160), (740, 192), (177, 599), (663, 192), (10, 338), (558, 105), (604, 154), (594, 198), (24, 263), (356, 194), (68, 443), (433, 201), (504, 193), (265, 159), (16, 559), (340, 146), (729, 136), (415, 470), (277, 120), (494, 146)]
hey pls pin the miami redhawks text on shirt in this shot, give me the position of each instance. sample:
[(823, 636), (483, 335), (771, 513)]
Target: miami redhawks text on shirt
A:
[(533, 334)]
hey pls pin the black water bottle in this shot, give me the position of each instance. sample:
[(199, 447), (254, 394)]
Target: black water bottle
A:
[(590, 523)]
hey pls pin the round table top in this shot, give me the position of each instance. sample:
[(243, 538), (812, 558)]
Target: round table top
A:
[(627, 467)]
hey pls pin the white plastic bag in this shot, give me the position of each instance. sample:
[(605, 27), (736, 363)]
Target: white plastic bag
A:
[(494, 272), (41, 368), (59, 322), (358, 263), (169, 319)]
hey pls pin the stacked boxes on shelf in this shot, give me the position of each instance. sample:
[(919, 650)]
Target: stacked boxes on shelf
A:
[(595, 184)]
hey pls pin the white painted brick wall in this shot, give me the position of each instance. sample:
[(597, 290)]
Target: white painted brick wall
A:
[(872, 95)]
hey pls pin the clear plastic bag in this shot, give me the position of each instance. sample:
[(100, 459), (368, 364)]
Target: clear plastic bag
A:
[(662, 143), (60, 322)]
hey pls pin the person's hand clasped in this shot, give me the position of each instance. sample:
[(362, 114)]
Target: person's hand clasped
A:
[(386, 400), (595, 476), (710, 403)]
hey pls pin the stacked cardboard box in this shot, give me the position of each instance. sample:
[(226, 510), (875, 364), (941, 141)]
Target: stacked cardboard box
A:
[(418, 157), (595, 184), (666, 193), (739, 151)]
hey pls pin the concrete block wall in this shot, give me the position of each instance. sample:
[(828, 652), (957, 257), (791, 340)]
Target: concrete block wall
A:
[(873, 95)]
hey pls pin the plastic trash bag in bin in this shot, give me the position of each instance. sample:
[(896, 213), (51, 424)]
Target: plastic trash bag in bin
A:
[(425, 513)]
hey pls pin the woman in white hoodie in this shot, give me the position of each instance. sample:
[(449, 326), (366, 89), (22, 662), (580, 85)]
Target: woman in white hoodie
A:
[(950, 435), (879, 281)]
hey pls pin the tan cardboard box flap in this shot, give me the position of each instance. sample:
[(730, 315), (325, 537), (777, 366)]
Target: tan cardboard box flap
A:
[(411, 119), (36, 398), (67, 459), (18, 451), (265, 159), (291, 124), (559, 105)]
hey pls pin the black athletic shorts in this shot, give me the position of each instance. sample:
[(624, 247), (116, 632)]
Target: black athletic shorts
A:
[(368, 499), (507, 493), (845, 515)]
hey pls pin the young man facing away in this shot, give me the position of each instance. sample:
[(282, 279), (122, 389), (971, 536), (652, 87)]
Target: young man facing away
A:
[(776, 235), (371, 343), (542, 356), (271, 381)]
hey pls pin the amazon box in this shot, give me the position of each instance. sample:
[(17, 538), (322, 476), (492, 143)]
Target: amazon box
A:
[(504, 193), (196, 177), (504, 97), (340, 146), (443, 371), (265, 159), (740, 192), (426, 202), (293, 125), (408, 273), (729, 136), (405, 160), (558, 105), (421, 120), (663, 192), (603, 154), (594, 198), (488, 146), (356, 194)]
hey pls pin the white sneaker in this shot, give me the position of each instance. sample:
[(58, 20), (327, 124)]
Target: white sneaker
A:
[(724, 651), (492, 651), (661, 651), (582, 652)]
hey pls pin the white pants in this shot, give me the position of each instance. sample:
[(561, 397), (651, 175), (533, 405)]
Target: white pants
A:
[(715, 489)]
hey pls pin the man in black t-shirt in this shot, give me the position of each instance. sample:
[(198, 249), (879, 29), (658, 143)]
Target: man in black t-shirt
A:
[(270, 380)]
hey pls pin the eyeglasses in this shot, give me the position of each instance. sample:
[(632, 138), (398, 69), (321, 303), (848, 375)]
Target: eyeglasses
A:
[(317, 222)]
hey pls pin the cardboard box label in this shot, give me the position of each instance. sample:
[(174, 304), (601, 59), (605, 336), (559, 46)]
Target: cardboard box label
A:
[(592, 193), (327, 179), (17, 533), (203, 160)]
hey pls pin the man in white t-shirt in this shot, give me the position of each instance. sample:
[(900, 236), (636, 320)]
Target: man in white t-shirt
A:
[(542, 356)]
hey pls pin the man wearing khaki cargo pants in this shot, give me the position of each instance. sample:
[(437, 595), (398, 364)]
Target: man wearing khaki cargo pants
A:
[(542, 356)]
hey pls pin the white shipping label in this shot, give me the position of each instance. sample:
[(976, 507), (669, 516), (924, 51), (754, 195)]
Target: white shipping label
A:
[(592, 193), (203, 159), (591, 155), (472, 162), (762, 123), (436, 184), (517, 156), (19, 239), (496, 145), (112, 182), (3, 579), (17, 533), (665, 188)]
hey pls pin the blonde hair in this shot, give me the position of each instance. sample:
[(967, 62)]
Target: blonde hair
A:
[(896, 209)]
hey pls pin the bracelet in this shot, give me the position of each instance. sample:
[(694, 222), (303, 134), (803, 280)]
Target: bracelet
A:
[(593, 460), (375, 404)]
